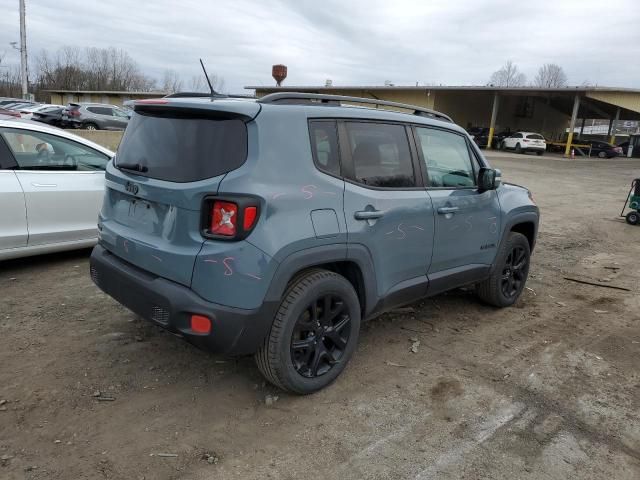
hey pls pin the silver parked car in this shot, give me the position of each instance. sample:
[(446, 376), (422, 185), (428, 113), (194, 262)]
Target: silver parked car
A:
[(95, 116), (51, 189)]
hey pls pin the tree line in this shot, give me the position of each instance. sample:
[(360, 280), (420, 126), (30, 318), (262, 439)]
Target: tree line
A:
[(91, 68), (549, 75)]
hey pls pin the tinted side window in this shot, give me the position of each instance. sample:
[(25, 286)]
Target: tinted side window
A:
[(380, 154), (120, 113), (41, 151), (100, 110), (447, 158), (324, 145)]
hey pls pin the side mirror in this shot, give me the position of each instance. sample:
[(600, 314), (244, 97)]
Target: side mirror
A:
[(487, 179)]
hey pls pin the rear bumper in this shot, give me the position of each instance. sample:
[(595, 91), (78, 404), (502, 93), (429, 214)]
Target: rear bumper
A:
[(234, 331)]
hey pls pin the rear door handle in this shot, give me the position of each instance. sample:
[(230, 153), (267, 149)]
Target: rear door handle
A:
[(445, 210), (44, 184), (368, 214)]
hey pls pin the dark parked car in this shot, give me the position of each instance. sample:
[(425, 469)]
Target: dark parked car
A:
[(481, 136), (50, 117), (624, 147), (95, 116), (601, 149)]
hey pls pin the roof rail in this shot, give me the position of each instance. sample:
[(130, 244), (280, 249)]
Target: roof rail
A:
[(317, 98)]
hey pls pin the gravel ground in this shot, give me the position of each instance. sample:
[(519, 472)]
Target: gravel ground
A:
[(548, 389)]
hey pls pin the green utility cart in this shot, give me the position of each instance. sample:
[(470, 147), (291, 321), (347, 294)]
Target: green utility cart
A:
[(633, 203)]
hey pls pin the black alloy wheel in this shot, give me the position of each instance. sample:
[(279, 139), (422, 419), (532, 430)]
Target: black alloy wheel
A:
[(320, 336), (515, 270), (314, 332)]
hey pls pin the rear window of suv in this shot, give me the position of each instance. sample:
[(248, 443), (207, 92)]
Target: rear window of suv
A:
[(181, 148), (535, 136)]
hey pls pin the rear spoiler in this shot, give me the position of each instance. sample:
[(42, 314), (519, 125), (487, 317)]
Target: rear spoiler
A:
[(166, 109)]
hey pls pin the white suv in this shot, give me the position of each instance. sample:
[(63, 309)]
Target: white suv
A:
[(523, 142)]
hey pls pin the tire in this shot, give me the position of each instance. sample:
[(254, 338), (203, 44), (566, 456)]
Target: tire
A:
[(91, 126), (502, 147), (323, 350), (540, 153), (633, 218), (506, 283), (602, 155), (518, 148)]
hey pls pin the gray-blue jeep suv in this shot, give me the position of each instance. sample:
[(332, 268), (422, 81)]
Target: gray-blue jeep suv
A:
[(274, 227)]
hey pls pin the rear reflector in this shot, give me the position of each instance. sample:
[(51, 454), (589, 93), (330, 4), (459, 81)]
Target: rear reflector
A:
[(250, 214), (200, 324)]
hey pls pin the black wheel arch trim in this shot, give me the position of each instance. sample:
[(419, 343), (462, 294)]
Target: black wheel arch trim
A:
[(530, 216), (322, 255)]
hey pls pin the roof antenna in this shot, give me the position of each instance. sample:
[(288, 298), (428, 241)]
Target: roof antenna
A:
[(213, 92)]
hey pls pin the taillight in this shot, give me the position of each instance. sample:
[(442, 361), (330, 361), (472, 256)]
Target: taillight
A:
[(230, 218), (224, 219)]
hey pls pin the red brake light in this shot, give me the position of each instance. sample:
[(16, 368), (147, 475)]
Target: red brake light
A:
[(224, 218), (250, 214)]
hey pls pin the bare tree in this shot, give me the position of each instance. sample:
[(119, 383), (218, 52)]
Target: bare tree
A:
[(171, 82), (550, 75), (508, 76), (10, 79), (199, 83), (71, 68)]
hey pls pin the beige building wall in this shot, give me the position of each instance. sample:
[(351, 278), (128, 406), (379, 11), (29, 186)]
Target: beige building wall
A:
[(467, 109), (547, 121), (628, 100), (63, 98)]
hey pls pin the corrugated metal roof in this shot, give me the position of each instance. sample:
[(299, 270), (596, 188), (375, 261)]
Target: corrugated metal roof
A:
[(579, 89)]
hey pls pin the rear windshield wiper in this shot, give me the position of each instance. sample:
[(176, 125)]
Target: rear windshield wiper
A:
[(136, 167)]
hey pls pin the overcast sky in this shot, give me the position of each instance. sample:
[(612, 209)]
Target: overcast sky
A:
[(352, 42)]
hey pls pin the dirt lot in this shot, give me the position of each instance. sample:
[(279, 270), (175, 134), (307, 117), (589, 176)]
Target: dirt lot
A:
[(548, 389)]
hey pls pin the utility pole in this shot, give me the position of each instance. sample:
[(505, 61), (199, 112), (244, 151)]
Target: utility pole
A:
[(23, 50)]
